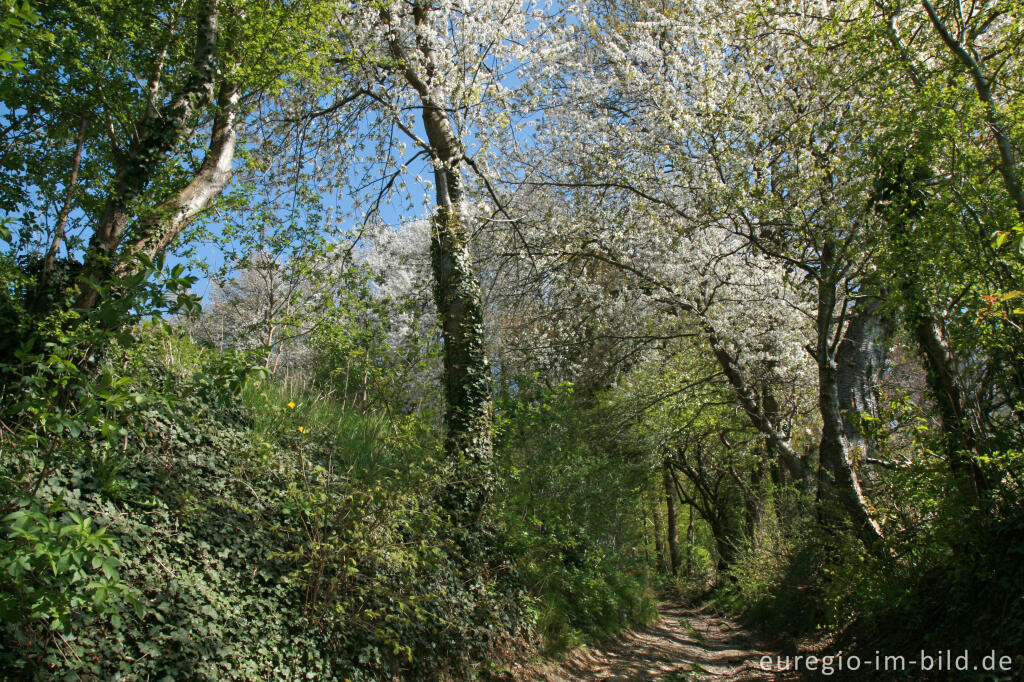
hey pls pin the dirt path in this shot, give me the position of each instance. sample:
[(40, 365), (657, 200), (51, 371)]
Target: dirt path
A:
[(684, 644)]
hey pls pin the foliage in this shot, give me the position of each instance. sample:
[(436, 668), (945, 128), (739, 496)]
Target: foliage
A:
[(56, 564), (15, 25), (200, 523), (943, 575), (560, 479), (733, 289)]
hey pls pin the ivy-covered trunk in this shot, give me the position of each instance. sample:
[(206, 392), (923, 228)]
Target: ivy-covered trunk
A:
[(960, 425), (466, 373), (467, 388), (960, 428)]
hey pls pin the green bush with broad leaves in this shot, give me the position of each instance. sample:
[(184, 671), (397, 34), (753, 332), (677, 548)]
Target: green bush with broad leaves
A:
[(171, 513)]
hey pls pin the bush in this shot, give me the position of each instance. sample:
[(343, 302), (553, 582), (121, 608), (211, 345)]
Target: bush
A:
[(570, 513), (210, 530), (939, 585), (776, 580)]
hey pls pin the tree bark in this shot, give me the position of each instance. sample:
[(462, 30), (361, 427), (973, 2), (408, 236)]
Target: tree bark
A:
[(671, 524), (838, 484), (690, 540), (457, 295), (859, 363), (724, 545), (753, 504), (175, 214)]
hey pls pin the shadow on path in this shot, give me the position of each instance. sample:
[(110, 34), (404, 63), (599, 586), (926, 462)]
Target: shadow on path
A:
[(684, 644)]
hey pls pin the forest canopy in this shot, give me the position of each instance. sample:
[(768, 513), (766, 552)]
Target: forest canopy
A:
[(416, 339)]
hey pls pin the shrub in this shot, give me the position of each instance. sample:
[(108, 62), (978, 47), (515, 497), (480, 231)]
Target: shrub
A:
[(204, 540)]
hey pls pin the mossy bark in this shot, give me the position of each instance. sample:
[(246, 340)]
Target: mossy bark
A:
[(467, 379)]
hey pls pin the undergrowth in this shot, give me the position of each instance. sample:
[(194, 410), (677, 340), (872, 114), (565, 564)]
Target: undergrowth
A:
[(185, 516), (953, 584), (229, 531)]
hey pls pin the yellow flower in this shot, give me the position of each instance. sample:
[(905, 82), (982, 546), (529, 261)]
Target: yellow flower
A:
[(302, 429), (291, 405)]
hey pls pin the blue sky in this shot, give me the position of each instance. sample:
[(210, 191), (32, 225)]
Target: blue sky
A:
[(341, 203)]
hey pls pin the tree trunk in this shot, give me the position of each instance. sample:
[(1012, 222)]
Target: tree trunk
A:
[(456, 293), (690, 540), (69, 196), (838, 485), (753, 502), (962, 432), (762, 417), (466, 372), (961, 425), (724, 545), (659, 544), (673, 533), (960, 428), (175, 214), (144, 159), (859, 363)]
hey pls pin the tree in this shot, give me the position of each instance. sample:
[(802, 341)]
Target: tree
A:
[(710, 130), (447, 62), (947, 126), (151, 102)]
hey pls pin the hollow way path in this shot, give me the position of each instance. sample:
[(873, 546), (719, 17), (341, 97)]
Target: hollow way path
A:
[(685, 643)]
